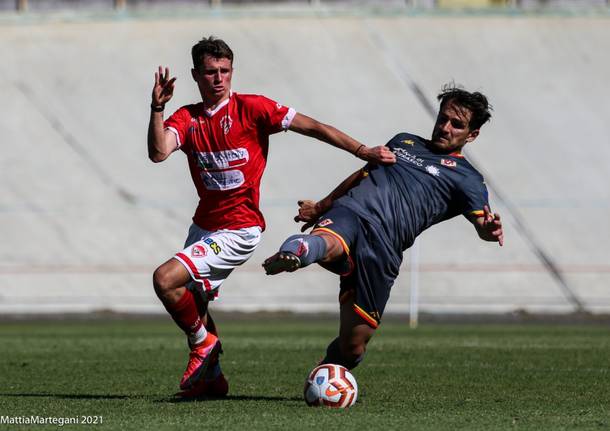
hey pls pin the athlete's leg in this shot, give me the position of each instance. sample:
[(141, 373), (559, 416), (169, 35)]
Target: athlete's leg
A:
[(349, 347), (299, 251), (209, 258), (169, 281), (214, 383), (208, 323), (204, 312), (215, 380)]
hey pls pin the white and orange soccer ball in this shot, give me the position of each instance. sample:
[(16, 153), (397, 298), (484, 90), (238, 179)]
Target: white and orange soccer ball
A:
[(332, 386)]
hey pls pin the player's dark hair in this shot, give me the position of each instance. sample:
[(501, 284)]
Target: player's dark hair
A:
[(475, 102), (211, 46)]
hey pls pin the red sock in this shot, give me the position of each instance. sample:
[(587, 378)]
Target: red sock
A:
[(185, 314)]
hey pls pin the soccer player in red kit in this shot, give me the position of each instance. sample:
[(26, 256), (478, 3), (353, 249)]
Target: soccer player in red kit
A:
[(225, 138)]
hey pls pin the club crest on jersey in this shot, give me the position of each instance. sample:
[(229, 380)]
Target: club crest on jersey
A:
[(433, 170), (325, 222), (198, 251), (449, 163), (226, 122), (408, 142)]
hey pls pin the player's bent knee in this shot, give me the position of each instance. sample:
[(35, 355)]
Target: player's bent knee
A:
[(169, 277), (163, 282)]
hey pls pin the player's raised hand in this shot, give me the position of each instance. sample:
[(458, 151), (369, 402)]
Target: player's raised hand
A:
[(380, 154), (492, 226), (164, 87), (309, 212)]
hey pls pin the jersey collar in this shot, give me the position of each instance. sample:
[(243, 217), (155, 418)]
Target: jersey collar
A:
[(456, 153), (211, 112)]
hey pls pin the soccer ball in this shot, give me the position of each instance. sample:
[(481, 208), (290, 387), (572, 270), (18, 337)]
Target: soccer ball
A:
[(332, 386)]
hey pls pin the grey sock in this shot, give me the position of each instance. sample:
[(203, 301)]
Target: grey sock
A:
[(308, 248)]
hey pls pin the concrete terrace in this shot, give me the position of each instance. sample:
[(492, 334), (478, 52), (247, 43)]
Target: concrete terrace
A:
[(86, 217)]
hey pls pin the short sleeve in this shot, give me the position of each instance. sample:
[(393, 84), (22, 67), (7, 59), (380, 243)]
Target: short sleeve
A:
[(272, 116), (476, 196), (178, 124)]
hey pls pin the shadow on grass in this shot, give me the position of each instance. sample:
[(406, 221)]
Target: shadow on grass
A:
[(70, 396), (170, 399), (228, 398)]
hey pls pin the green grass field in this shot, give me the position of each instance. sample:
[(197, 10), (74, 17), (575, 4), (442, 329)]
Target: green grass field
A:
[(438, 377)]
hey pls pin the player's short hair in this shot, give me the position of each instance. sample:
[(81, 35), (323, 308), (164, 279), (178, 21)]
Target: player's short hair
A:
[(212, 46), (475, 102)]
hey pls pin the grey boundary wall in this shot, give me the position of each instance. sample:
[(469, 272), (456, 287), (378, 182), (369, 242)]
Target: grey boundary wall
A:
[(86, 217)]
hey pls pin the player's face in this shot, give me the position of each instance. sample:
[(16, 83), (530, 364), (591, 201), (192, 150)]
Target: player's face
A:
[(451, 131), (213, 77)]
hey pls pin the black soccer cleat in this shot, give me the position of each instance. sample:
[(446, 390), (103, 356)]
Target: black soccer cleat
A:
[(281, 262)]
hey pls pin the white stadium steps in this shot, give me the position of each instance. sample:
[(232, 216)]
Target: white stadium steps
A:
[(86, 217)]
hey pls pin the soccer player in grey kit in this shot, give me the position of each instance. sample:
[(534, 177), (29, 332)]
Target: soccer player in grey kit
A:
[(363, 227)]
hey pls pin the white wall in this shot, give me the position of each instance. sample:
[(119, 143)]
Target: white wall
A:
[(86, 217)]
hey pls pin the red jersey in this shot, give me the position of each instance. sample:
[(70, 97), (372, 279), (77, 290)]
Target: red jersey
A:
[(227, 153)]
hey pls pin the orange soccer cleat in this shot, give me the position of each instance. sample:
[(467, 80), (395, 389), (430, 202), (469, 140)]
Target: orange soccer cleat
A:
[(199, 359)]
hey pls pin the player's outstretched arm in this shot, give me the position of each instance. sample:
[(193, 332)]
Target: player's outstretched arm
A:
[(309, 127), (161, 143), (489, 226), (310, 211)]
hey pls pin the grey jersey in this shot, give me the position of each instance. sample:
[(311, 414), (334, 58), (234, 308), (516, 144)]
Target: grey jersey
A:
[(421, 189)]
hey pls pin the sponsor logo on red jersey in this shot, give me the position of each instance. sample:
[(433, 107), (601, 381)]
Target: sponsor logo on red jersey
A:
[(224, 159)]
